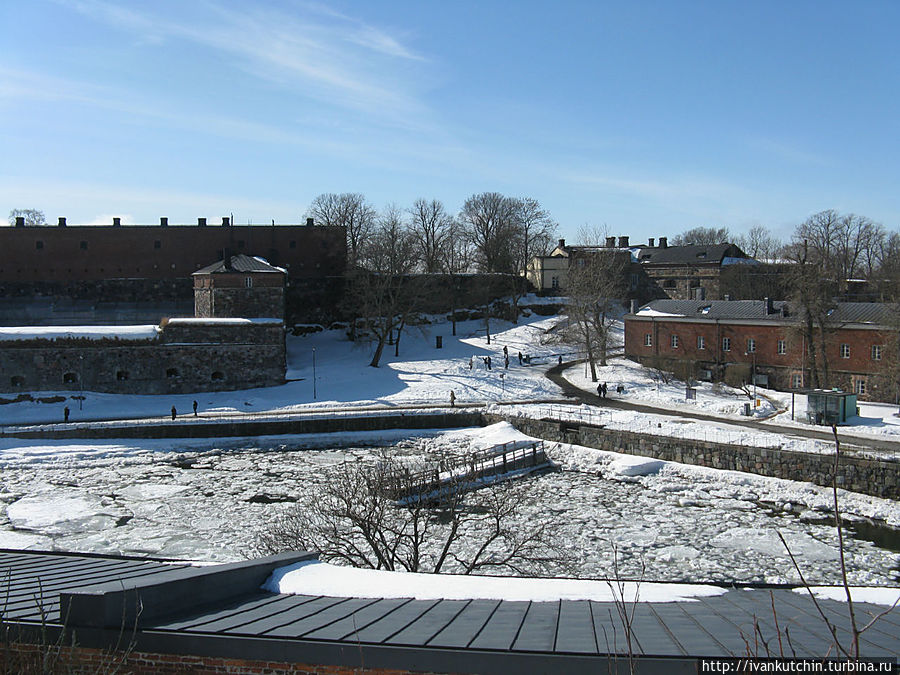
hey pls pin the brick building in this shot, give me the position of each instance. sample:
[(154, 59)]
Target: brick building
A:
[(741, 340), (67, 253), (239, 286), (691, 272)]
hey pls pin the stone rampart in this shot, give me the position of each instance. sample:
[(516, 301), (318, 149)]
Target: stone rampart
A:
[(858, 473)]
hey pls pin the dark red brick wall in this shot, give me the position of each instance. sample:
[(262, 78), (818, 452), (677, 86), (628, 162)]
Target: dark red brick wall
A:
[(131, 251), (26, 659)]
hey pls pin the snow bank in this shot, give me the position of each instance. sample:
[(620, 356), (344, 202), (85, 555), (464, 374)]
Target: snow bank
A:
[(318, 578), (633, 465), (206, 321), (143, 332), (873, 596)]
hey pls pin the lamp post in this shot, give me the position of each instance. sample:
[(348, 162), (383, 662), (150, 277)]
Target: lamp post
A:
[(752, 355), (80, 381), (314, 373)]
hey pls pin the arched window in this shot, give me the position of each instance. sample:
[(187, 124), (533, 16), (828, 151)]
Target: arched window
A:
[(218, 375), (171, 372), (70, 378), (17, 381)]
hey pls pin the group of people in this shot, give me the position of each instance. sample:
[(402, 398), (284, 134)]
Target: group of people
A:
[(602, 388)]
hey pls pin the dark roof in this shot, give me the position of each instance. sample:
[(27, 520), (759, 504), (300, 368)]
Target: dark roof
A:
[(691, 254), (240, 263), (485, 636), (872, 313)]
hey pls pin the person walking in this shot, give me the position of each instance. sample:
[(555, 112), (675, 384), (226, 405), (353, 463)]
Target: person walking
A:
[(505, 351), (66, 413), (604, 390), (506, 362), (452, 399), (173, 412), (488, 362), (195, 408), (520, 358), (600, 390), (470, 363)]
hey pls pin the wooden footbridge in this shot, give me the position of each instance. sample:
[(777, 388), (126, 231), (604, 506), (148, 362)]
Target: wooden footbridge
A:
[(498, 463)]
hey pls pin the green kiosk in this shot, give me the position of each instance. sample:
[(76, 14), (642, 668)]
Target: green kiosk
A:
[(829, 406)]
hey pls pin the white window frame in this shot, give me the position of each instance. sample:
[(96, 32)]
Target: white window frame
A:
[(797, 381), (751, 345), (877, 351), (782, 347), (648, 339), (674, 341), (701, 342), (726, 344), (859, 387), (845, 350)]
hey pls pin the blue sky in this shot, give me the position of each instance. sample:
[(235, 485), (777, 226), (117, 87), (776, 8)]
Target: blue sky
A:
[(644, 117)]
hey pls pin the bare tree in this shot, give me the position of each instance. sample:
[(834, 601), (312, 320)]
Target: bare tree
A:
[(537, 231), (760, 243), (596, 286), (491, 224), (351, 211), (431, 227), (702, 236), (355, 518), (33, 217)]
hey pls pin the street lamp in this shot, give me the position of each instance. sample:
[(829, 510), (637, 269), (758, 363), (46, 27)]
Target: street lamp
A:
[(80, 381), (314, 373)]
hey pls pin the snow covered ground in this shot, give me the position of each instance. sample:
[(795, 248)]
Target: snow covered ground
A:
[(204, 499)]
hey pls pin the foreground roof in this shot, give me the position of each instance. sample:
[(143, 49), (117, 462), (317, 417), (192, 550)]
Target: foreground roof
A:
[(221, 611)]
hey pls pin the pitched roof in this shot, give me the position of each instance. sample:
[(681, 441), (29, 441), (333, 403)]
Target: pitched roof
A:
[(693, 253), (874, 313), (240, 263)]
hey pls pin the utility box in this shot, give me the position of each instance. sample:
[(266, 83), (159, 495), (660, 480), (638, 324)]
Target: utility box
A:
[(829, 406)]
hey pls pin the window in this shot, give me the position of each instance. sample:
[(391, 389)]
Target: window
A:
[(157, 244), (782, 348), (554, 282), (648, 340), (248, 282), (674, 341), (70, 378), (797, 381), (171, 372), (859, 387), (845, 350), (39, 245), (726, 344), (701, 342), (669, 283), (218, 375), (751, 345), (83, 245), (876, 352)]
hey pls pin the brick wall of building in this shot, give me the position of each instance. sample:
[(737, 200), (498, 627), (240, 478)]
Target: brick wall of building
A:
[(79, 253), (736, 363)]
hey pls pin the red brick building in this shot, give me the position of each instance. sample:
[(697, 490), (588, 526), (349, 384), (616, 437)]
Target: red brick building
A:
[(741, 340), (67, 253)]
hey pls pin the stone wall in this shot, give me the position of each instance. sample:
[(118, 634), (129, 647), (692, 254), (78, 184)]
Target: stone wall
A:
[(857, 473), (181, 359)]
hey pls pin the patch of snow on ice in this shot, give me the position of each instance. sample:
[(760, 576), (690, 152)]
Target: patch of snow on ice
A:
[(633, 465), (874, 596)]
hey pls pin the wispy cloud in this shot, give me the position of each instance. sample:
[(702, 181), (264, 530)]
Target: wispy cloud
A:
[(331, 57), (788, 152)]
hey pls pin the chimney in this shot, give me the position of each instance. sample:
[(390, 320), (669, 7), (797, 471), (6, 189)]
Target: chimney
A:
[(770, 306), (201, 222), (62, 222), (623, 242), (117, 222), (309, 222), (650, 242), (726, 297), (610, 242), (633, 307), (663, 242), (225, 221), (20, 221), (562, 243), (226, 256), (163, 222)]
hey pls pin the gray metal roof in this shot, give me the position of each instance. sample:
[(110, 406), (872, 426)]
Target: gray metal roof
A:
[(487, 636), (691, 254), (873, 313), (240, 263)]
